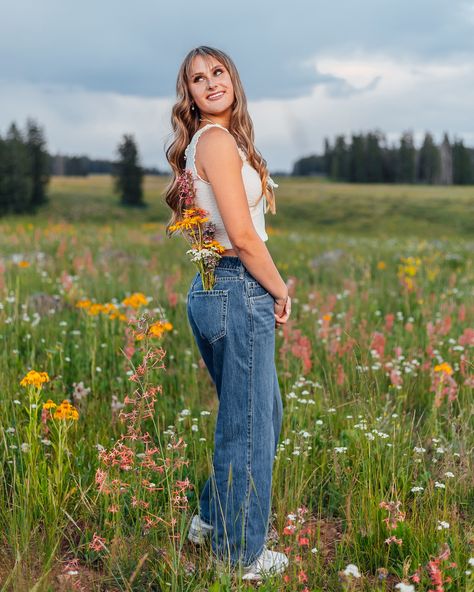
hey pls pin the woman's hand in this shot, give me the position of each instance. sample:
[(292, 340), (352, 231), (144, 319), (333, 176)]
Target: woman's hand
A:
[(282, 311)]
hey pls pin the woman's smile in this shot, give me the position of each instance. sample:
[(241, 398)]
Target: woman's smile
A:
[(216, 96)]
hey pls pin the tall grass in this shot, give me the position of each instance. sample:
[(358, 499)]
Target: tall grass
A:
[(374, 466)]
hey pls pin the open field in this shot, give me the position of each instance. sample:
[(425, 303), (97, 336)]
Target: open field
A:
[(375, 464), (303, 203)]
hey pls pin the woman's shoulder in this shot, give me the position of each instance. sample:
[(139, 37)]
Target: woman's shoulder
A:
[(200, 131), (197, 134), (215, 138)]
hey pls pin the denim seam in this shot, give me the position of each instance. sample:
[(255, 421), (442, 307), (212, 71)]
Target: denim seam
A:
[(260, 296), (198, 293), (249, 418), (223, 322)]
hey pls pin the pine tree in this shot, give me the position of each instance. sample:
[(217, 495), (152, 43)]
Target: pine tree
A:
[(39, 163), (4, 200), (327, 157), (128, 173), (462, 168), (340, 166), (358, 172), (406, 159), (373, 157), (17, 183), (429, 160)]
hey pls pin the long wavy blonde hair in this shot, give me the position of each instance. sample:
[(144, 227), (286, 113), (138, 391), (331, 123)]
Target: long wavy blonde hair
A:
[(185, 123)]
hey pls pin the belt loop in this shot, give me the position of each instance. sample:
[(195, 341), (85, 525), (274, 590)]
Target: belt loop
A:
[(241, 270)]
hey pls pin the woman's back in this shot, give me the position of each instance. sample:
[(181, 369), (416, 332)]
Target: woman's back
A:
[(206, 199)]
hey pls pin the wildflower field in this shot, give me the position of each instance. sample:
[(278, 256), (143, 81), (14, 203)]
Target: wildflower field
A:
[(107, 410)]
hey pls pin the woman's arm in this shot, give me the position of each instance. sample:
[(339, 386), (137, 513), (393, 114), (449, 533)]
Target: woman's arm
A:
[(222, 164)]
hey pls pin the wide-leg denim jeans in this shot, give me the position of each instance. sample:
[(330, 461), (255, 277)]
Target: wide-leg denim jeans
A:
[(234, 328)]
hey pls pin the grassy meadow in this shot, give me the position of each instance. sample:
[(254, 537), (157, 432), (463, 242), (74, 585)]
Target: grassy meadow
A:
[(108, 411)]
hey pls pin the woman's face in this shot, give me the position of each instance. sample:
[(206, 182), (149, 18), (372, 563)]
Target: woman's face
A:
[(210, 86)]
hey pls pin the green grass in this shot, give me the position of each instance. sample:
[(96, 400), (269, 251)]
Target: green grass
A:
[(351, 437)]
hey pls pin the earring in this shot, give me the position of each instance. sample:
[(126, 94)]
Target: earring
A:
[(192, 106)]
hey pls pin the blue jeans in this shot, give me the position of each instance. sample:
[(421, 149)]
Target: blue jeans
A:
[(234, 328)]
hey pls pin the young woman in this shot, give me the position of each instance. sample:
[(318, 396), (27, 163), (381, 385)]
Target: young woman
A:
[(234, 323)]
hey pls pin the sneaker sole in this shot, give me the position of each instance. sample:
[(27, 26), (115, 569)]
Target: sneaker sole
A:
[(251, 575)]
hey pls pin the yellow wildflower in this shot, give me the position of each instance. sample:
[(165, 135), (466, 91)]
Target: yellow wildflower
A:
[(188, 223), (66, 411), (214, 245), (381, 265), (35, 378), (135, 300), (444, 367), (23, 264), (49, 404), (84, 303), (95, 309), (158, 328), (110, 308)]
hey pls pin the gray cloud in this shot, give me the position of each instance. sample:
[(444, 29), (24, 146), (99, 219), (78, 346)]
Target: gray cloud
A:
[(90, 72), (136, 49)]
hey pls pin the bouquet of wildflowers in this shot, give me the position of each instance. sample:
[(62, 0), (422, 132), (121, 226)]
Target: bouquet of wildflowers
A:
[(198, 231)]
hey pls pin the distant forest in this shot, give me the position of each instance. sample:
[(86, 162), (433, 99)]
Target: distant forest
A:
[(363, 158), (26, 168), (367, 158), (81, 166)]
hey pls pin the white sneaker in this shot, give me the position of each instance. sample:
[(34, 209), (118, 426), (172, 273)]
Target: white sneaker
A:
[(200, 530), (267, 563)]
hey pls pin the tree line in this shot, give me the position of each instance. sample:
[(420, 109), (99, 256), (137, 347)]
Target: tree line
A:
[(83, 166), (24, 171), (26, 168), (367, 158)]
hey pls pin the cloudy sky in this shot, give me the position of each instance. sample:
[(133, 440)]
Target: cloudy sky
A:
[(92, 71)]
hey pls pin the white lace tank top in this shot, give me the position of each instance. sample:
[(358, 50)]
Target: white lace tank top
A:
[(206, 200)]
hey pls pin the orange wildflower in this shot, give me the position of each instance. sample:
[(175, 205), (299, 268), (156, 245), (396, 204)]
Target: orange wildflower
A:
[(444, 367), (135, 300), (35, 378)]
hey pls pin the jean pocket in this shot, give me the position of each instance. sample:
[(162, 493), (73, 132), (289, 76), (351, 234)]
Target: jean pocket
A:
[(256, 290), (209, 312)]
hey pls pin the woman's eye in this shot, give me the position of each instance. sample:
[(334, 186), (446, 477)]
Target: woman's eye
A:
[(216, 70)]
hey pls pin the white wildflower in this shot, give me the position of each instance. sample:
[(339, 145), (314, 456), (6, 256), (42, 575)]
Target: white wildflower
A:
[(405, 587), (352, 570)]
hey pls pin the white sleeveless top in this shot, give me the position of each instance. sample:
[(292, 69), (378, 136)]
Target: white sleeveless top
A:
[(206, 199)]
